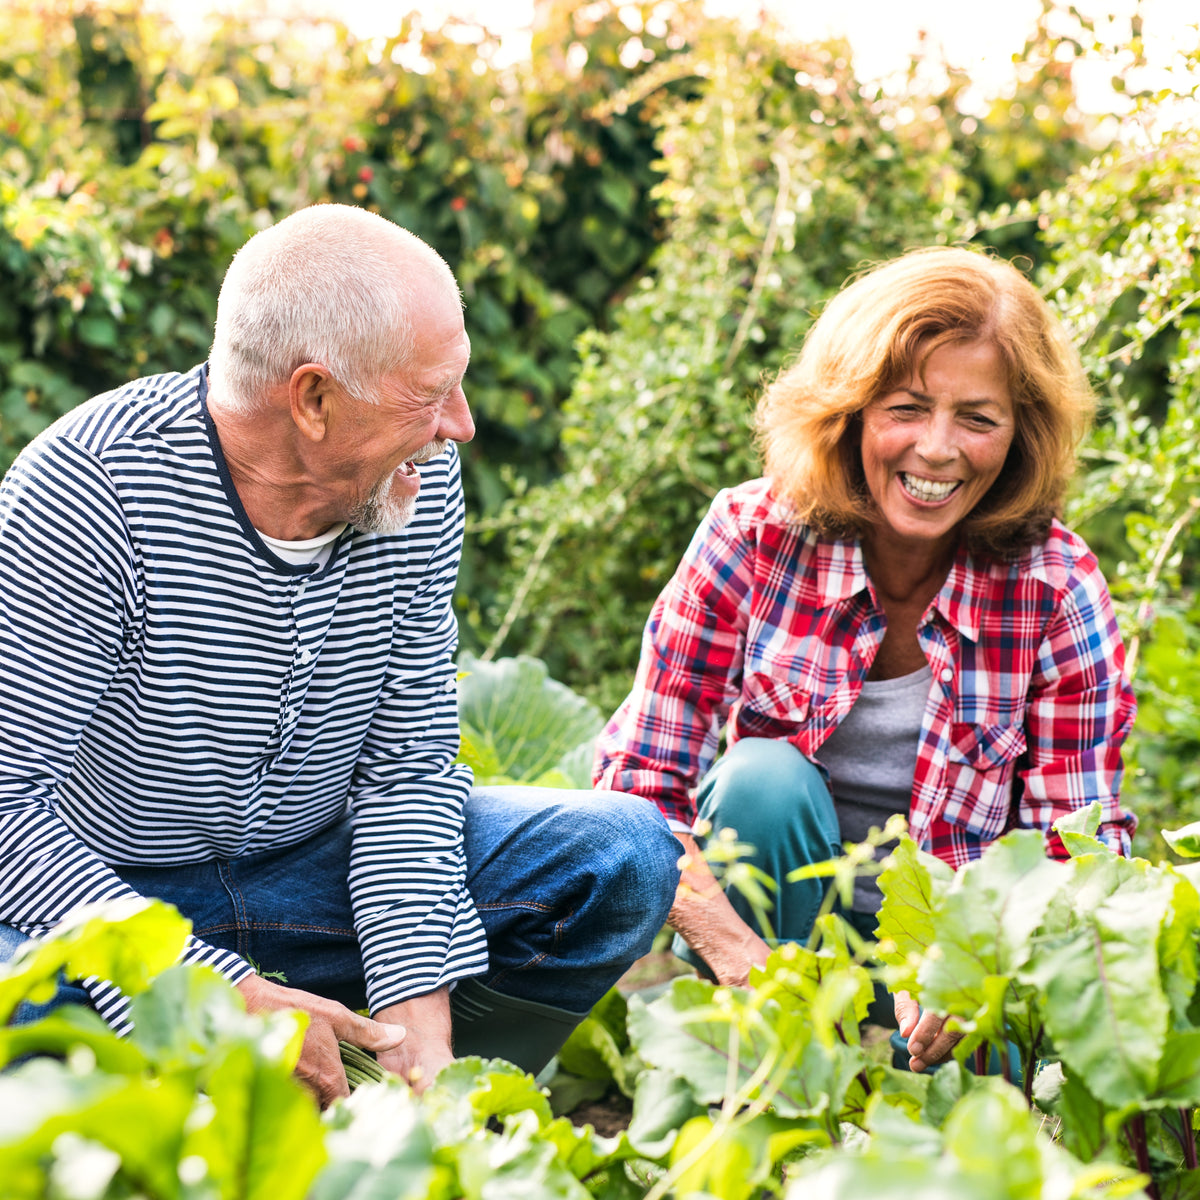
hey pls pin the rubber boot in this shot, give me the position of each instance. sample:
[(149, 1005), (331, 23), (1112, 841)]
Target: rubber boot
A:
[(494, 1025)]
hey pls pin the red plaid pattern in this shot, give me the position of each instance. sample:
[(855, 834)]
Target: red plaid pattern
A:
[(771, 629)]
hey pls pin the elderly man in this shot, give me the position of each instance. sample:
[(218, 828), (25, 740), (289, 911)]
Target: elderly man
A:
[(228, 681)]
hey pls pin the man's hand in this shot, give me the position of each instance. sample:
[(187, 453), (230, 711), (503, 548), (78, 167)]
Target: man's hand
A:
[(320, 1065), (426, 1049), (929, 1041), (708, 923)]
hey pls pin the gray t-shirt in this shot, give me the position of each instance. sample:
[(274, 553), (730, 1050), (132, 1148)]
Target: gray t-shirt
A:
[(871, 757)]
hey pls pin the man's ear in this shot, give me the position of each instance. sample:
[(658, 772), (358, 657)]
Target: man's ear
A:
[(309, 394)]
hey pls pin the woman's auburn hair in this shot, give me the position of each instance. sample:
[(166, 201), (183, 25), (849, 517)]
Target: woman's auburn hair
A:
[(873, 337)]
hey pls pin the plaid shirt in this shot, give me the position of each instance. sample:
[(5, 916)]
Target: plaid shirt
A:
[(772, 627)]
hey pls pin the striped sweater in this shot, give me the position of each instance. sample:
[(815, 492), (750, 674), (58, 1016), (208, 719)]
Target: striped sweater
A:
[(171, 691)]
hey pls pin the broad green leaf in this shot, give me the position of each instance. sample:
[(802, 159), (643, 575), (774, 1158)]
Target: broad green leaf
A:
[(69, 1027), (984, 927), (127, 942), (1104, 1002), (1178, 951), (947, 1086), (186, 1014), (901, 1089), (592, 1053), (581, 1151), (1179, 1070), (899, 1130), (708, 1035), (662, 1104), (797, 976), (470, 1090), (379, 1145), (717, 1166), (517, 723), (141, 1121), (264, 1139), (992, 1123), (597, 1046), (913, 885), (517, 1165), (1186, 841)]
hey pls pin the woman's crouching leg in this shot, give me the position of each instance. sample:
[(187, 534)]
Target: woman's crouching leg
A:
[(777, 802)]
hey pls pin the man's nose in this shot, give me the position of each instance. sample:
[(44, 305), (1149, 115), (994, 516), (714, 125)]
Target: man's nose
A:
[(457, 424)]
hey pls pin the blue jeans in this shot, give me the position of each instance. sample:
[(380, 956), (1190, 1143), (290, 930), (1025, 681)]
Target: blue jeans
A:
[(571, 887)]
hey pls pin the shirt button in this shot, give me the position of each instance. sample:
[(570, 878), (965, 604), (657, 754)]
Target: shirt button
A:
[(306, 656), (947, 675)]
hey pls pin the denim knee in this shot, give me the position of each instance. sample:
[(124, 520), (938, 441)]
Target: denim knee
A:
[(640, 859)]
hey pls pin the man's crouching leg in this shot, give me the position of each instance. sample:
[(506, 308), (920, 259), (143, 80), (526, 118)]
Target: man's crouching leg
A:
[(572, 888)]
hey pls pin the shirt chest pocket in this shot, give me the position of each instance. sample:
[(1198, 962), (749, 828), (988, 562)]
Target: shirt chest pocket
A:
[(980, 764), (771, 707)]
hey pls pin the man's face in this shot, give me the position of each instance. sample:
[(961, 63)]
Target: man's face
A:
[(418, 410)]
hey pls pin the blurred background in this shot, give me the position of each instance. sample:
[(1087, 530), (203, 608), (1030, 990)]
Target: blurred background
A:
[(646, 205)]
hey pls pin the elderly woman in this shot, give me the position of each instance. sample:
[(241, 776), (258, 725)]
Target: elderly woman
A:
[(893, 619)]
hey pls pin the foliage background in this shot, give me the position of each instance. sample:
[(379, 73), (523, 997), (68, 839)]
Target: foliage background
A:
[(638, 246)]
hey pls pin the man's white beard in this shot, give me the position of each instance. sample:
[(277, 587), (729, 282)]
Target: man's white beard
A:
[(382, 512)]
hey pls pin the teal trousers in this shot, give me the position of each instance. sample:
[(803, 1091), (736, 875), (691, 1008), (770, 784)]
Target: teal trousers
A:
[(777, 802)]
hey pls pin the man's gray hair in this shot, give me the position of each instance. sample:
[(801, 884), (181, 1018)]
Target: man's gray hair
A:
[(331, 284)]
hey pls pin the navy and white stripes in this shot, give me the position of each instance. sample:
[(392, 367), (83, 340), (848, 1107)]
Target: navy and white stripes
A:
[(171, 691)]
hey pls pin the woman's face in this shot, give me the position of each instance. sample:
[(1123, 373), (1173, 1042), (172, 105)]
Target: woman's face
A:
[(932, 447)]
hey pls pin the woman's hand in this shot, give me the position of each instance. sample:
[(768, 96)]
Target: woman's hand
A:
[(707, 922), (929, 1039)]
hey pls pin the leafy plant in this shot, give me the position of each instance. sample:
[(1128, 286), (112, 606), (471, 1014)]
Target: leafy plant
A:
[(520, 726)]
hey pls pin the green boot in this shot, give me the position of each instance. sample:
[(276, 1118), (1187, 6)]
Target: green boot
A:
[(493, 1025)]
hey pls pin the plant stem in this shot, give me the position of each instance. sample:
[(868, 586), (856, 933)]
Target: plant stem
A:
[(518, 600), (1185, 1136), (1135, 1131)]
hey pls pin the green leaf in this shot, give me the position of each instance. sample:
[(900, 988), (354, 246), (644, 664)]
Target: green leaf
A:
[(729, 1165), (127, 942), (1104, 1003), (913, 885), (518, 1165), (662, 1104), (264, 1139), (1186, 841), (1179, 1069), (380, 1147), (990, 1117), (517, 723), (1078, 830), (140, 1120), (983, 932), (597, 1045), (66, 1028), (471, 1090)]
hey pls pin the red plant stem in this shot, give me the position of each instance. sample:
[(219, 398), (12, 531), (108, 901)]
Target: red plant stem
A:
[(1136, 1132), (981, 1059), (1189, 1141)]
